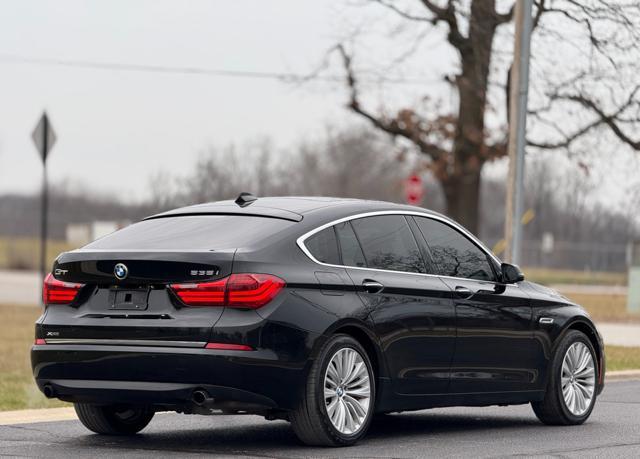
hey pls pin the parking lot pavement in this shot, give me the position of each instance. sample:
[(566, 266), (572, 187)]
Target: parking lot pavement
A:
[(612, 431)]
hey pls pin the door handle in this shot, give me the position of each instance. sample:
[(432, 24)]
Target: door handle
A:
[(371, 286), (463, 292)]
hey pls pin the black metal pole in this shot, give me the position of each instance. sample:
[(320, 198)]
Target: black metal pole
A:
[(45, 203)]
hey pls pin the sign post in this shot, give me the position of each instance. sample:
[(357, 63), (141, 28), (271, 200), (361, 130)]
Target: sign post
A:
[(44, 138), (517, 130), (633, 300)]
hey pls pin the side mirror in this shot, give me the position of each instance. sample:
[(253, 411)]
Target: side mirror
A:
[(511, 273)]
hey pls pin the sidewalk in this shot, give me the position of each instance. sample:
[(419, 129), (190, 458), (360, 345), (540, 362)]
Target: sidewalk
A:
[(620, 334)]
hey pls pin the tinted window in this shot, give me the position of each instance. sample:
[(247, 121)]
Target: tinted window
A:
[(453, 253), (202, 232), (388, 243), (324, 246), (349, 246)]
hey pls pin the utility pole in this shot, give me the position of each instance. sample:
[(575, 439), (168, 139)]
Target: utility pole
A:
[(44, 138), (519, 87)]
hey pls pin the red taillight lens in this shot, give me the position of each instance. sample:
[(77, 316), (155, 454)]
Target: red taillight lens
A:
[(59, 292), (252, 290), (238, 290), (204, 294)]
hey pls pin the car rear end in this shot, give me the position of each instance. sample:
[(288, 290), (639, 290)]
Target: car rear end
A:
[(155, 314)]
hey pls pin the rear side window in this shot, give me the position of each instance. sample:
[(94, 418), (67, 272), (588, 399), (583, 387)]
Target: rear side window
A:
[(324, 246), (351, 252), (388, 243), (453, 253), (201, 232)]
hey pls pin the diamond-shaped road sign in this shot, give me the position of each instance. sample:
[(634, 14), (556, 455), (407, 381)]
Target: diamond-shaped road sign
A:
[(44, 137)]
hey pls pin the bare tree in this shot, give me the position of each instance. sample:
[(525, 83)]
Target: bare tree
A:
[(347, 163), (588, 94)]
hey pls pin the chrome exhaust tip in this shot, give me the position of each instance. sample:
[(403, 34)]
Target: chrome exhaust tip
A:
[(200, 397)]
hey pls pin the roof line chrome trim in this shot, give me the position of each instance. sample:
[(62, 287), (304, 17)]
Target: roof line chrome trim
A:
[(126, 342), (301, 240)]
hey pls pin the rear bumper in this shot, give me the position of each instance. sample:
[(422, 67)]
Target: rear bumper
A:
[(150, 393), (167, 376)]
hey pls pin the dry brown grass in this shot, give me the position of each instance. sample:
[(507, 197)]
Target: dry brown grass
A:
[(622, 358), (17, 387), (605, 308), (24, 252), (548, 276)]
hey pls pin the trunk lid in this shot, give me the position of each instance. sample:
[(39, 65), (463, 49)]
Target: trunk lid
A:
[(126, 298), (139, 309)]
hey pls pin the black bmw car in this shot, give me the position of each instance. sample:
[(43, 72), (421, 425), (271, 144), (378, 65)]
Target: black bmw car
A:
[(319, 311)]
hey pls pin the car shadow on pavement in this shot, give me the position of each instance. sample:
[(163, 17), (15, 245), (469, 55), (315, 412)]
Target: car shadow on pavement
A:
[(262, 436)]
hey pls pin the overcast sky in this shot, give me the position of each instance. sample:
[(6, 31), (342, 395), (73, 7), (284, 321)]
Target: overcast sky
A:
[(114, 127), (117, 128)]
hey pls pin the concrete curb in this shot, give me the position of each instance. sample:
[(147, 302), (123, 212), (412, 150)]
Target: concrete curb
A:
[(68, 413), (622, 375), (42, 415)]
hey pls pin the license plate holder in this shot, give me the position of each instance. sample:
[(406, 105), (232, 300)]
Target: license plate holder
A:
[(129, 299)]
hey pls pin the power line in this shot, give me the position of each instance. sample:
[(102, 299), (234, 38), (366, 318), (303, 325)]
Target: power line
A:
[(148, 68)]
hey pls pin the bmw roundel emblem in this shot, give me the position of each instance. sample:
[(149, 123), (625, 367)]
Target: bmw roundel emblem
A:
[(121, 271)]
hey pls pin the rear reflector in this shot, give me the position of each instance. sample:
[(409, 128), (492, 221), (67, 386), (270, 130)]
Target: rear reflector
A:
[(39, 341), (59, 292), (228, 347), (244, 290)]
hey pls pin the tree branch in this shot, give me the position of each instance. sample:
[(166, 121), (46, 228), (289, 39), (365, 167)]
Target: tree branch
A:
[(612, 120), (448, 15), (404, 14), (503, 18), (400, 126)]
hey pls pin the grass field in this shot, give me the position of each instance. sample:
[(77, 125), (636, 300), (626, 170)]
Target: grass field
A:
[(17, 388), (18, 391), (23, 252), (548, 276), (605, 308), (622, 358)]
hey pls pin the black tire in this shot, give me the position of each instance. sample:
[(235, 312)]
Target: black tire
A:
[(310, 420), (114, 419), (552, 410)]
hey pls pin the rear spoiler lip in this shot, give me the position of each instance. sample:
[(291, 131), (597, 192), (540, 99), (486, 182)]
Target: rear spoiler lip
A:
[(270, 212), (151, 254)]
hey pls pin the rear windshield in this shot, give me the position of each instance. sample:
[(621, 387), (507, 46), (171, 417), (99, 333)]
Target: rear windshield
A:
[(200, 232)]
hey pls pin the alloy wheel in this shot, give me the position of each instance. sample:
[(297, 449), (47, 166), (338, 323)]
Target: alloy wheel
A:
[(347, 391), (578, 378)]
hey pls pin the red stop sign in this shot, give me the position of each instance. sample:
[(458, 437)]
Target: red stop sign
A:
[(413, 190)]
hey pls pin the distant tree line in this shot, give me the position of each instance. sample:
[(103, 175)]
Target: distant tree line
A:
[(357, 163)]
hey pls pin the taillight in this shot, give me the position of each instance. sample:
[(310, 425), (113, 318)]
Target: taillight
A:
[(203, 294), (59, 292), (237, 290)]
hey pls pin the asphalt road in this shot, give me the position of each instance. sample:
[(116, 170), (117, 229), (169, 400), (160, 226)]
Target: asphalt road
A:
[(612, 431)]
